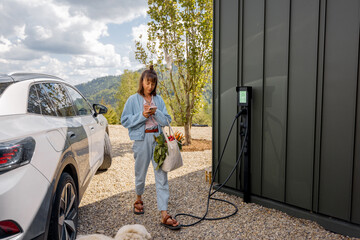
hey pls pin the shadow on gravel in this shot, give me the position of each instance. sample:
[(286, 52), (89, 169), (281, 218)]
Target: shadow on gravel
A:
[(119, 150), (116, 211)]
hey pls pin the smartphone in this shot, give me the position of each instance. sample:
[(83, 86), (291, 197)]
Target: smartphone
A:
[(152, 108)]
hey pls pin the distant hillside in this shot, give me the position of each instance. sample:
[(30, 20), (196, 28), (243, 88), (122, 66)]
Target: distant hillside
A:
[(107, 87), (103, 87)]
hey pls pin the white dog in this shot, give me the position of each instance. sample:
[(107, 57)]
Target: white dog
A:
[(127, 232), (133, 232), (94, 237)]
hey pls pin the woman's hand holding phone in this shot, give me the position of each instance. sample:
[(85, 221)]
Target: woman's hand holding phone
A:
[(149, 110), (152, 110), (146, 111)]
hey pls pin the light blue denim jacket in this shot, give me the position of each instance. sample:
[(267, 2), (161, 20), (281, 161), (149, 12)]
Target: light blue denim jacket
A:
[(133, 119)]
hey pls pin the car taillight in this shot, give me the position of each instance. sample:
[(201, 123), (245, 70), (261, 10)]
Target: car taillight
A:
[(8, 228), (16, 153)]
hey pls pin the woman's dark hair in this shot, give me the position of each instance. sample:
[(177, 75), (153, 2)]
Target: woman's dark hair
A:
[(150, 75)]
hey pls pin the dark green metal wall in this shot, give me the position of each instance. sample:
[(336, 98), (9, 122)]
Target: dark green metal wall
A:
[(302, 59)]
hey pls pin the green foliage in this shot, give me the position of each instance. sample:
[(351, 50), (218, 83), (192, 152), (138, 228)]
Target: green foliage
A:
[(204, 117), (111, 114), (104, 87), (180, 36), (161, 150), (129, 85)]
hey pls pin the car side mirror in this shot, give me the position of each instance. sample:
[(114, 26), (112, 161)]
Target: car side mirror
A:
[(99, 109)]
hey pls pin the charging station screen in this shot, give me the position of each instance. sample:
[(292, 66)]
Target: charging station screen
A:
[(242, 97)]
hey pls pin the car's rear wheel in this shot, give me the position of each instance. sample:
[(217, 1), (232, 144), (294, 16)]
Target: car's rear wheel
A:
[(64, 216), (107, 154)]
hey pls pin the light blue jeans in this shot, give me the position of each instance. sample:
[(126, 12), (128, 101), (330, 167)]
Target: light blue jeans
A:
[(143, 153)]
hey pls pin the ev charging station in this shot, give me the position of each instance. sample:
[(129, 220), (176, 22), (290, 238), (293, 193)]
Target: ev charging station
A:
[(244, 102), (243, 118)]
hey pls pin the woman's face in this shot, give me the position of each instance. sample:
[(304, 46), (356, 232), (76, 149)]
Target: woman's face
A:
[(148, 86)]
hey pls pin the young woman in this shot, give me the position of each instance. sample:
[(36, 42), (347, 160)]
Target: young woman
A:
[(143, 114)]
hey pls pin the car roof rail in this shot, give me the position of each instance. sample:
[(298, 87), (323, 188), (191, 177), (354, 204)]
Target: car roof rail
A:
[(5, 78), (27, 76)]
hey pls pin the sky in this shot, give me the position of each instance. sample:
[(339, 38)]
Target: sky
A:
[(77, 40)]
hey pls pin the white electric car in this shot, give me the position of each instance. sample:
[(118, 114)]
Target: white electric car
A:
[(52, 141)]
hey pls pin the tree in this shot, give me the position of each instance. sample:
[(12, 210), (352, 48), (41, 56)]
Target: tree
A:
[(111, 115), (128, 86), (180, 35)]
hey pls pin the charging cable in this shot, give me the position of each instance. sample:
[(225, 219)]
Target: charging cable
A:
[(210, 194)]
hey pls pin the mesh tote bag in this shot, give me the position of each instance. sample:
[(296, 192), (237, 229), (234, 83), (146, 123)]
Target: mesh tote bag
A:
[(173, 160)]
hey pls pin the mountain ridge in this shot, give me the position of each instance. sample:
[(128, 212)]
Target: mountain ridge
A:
[(101, 88)]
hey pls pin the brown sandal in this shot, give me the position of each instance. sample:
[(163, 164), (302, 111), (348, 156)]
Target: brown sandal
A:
[(170, 226), (139, 208)]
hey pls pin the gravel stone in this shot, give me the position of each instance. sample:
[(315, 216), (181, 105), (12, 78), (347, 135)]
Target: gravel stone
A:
[(107, 204)]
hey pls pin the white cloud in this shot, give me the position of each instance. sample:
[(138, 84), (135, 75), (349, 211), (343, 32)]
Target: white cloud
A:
[(5, 44), (44, 64), (49, 31), (20, 32), (138, 31), (114, 11), (89, 61), (42, 33), (19, 52)]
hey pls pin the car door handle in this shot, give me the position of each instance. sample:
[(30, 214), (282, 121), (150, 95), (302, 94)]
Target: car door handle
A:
[(71, 135), (92, 128)]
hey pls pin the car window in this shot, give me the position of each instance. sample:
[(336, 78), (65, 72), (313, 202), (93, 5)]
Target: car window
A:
[(81, 105), (45, 103), (3, 86), (33, 101), (60, 99)]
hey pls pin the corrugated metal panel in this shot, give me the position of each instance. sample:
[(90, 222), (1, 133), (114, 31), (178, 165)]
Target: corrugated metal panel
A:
[(338, 121), (306, 110), (275, 98), (228, 78), (355, 204), (302, 102), (216, 97), (355, 214), (319, 105), (252, 75)]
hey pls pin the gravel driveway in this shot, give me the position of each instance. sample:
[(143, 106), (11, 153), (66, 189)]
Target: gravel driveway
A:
[(107, 203)]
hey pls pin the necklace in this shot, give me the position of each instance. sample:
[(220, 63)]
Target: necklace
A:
[(146, 99)]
